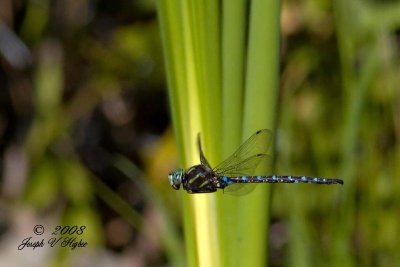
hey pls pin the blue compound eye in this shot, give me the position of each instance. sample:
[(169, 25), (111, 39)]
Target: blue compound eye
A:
[(175, 178)]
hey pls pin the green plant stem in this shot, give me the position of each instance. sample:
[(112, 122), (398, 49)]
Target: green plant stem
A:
[(191, 43), (259, 112), (233, 70)]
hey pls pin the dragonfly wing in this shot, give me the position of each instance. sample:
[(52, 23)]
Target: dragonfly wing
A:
[(255, 165), (239, 189), (258, 164), (203, 159), (248, 156)]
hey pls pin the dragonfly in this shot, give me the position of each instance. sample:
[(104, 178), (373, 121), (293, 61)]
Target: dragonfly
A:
[(240, 172)]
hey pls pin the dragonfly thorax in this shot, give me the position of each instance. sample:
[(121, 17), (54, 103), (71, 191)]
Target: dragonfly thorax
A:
[(175, 178), (199, 179)]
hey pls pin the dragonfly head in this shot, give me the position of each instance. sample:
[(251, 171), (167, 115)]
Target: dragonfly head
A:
[(175, 178)]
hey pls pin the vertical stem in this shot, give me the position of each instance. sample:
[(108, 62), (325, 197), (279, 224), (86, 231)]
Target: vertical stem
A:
[(190, 35), (259, 112), (234, 25)]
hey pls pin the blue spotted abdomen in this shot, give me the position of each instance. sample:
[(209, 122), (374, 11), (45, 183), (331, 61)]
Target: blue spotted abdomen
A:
[(281, 179)]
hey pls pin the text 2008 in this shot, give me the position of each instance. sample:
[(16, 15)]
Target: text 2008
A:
[(69, 230)]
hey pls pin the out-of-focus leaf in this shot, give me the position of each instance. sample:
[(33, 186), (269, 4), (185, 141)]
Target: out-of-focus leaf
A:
[(43, 186)]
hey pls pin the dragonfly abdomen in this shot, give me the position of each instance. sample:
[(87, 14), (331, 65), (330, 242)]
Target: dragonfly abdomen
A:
[(282, 179)]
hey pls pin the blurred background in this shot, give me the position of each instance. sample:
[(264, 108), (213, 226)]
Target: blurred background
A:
[(85, 133)]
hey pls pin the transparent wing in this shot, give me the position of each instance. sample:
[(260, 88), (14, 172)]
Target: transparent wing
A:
[(239, 189), (256, 165), (250, 158), (203, 159)]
